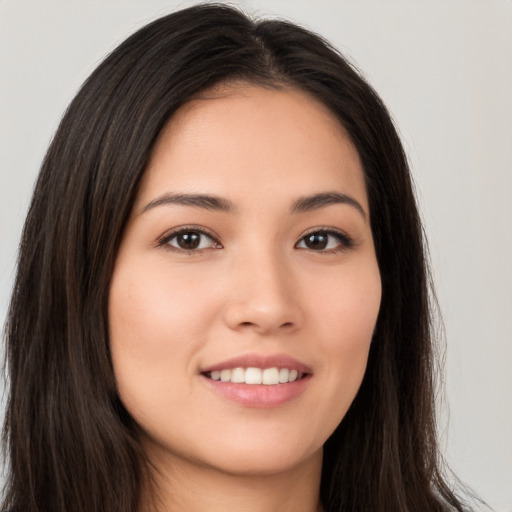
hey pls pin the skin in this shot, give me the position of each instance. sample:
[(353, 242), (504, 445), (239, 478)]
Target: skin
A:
[(254, 287)]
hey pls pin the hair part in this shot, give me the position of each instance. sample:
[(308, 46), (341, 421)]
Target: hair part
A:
[(71, 443)]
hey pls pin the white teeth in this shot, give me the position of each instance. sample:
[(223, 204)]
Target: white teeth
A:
[(270, 376), (267, 376), (238, 375), (253, 376)]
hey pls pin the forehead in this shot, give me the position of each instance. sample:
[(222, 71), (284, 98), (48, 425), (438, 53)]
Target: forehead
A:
[(240, 138)]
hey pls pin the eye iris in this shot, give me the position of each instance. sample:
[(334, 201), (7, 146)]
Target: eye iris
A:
[(316, 240), (188, 240)]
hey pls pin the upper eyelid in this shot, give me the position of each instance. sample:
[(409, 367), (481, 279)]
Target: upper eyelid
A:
[(325, 229)]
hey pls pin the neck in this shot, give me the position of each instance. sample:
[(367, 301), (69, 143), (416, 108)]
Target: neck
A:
[(195, 489)]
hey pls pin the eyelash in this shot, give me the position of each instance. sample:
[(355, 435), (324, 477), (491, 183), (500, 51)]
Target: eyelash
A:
[(345, 241), (165, 241)]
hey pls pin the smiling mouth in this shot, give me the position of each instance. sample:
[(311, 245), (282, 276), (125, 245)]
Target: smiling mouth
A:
[(254, 376)]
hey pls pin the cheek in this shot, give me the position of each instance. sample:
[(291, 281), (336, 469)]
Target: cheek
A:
[(350, 303), (156, 327), (151, 302), (347, 315), (345, 311)]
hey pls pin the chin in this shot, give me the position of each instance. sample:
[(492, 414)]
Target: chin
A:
[(262, 463), (262, 453)]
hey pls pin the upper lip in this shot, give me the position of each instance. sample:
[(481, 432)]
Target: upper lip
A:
[(259, 361)]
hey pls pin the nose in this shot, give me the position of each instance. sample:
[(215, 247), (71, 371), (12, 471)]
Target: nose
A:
[(263, 295)]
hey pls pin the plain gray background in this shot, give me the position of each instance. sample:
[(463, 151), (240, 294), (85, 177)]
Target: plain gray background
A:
[(444, 68)]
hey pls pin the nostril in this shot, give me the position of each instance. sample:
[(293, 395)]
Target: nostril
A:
[(285, 325)]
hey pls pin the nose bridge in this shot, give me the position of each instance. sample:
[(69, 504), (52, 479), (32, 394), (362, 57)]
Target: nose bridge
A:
[(262, 291)]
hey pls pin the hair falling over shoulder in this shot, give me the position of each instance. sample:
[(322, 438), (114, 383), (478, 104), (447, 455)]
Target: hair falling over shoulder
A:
[(70, 443)]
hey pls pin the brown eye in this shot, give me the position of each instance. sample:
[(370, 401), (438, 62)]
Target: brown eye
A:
[(317, 241), (190, 240), (325, 241)]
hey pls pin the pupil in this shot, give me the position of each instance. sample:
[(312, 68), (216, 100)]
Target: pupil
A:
[(316, 241), (189, 240)]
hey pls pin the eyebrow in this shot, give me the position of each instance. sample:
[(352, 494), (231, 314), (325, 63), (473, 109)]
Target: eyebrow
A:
[(216, 203), (203, 201), (323, 199)]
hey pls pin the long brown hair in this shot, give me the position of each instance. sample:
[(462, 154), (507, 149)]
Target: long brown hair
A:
[(70, 442)]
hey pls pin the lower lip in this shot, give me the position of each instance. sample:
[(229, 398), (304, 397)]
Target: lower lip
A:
[(259, 395)]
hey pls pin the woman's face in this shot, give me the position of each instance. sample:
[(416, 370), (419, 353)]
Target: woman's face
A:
[(248, 258)]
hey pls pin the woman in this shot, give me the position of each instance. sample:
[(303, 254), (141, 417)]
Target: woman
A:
[(222, 297)]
